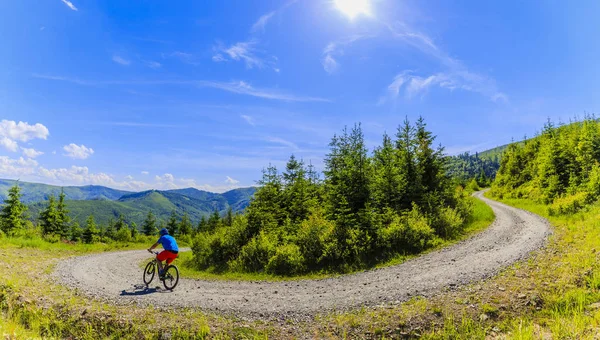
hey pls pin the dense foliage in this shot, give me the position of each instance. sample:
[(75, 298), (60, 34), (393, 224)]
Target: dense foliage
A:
[(367, 208), (466, 167), (559, 167)]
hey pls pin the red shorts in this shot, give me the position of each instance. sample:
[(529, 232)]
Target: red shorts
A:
[(166, 255)]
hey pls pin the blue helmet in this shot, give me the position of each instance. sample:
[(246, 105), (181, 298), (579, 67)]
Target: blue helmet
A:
[(163, 232)]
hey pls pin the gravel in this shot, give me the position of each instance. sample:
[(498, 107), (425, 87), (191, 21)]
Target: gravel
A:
[(116, 277)]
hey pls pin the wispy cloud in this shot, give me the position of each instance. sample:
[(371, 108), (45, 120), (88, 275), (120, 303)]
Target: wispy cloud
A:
[(31, 153), (259, 25), (248, 119), (69, 4), (152, 64), (119, 60), (455, 76), (283, 142), (238, 87), (184, 57), (335, 49), (246, 52)]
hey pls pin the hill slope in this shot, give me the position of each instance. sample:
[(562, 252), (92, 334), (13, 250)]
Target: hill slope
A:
[(36, 192)]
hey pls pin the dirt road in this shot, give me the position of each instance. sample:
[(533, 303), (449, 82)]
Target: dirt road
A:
[(117, 277)]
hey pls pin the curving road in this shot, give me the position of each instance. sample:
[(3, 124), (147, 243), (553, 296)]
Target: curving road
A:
[(117, 277)]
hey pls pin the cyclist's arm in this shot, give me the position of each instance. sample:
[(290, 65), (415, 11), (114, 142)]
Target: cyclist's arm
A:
[(153, 246)]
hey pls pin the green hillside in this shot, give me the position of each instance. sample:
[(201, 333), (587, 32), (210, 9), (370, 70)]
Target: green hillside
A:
[(36, 192), (135, 206)]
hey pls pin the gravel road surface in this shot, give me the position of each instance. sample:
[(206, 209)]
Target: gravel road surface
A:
[(117, 278)]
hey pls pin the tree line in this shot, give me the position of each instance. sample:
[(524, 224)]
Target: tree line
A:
[(55, 224), (363, 209), (559, 167)]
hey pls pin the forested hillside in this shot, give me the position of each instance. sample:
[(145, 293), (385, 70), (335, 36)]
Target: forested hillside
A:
[(366, 208), (559, 167), (134, 207), (37, 192), (466, 167)]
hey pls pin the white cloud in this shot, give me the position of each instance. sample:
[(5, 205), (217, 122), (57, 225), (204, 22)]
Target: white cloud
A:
[(22, 131), (260, 24), (70, 4), (242, 51), (145, 173), (217, 58), (187, 58), (31, 153), (119, 60), (283, 142), (152, 64), (231, 181), (414, 85), (239, 87), (455, 76), (248, 119), (16, 167), (336, 48), (78, 151), (9, 144), (329, 64)]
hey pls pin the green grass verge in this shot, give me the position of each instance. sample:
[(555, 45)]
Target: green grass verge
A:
[(481, 218)]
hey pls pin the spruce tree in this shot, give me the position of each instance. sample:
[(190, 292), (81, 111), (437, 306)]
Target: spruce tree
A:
[(406, 146), (134, 230), (149, 225), (388, 182), (202, 225), (229, 217), (185, 226), (173, 224), (63, 219), (214, 221), (90, 233), (12, 216), (49, 218), (120, 224)]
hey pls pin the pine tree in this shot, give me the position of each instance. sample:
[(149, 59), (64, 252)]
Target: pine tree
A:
[(76, 232), (202, 225), (49, 218), (134, 230), (297, 196), (388, 183), (12, 216), (214, 221), (406, 146), (63, 219), (149, 226), (90, 233), (185, 226), (430, 164), (265, 211), (172, 224), (229, 217), (120, 224)]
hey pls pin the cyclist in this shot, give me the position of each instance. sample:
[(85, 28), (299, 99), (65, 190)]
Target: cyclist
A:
[(170, 251)]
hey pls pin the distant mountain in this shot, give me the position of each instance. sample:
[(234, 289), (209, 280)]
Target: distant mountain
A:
[(36, 192), (135, 206)]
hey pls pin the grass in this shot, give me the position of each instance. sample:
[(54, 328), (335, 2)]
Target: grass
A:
[(481, 218), (552, 295)]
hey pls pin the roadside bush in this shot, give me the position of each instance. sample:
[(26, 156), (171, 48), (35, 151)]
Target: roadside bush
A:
[(255, 255), (569, 205), (287, 261), (451, 222), (311, 237), (123, 235)]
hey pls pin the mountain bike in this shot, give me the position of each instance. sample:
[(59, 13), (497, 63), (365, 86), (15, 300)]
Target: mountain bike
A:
[(170, 276)]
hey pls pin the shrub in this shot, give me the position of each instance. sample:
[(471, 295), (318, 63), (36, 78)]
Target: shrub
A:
[(123, 235), (451, 222), (569, 204), (311, 237), (255, 255), (287, 261)]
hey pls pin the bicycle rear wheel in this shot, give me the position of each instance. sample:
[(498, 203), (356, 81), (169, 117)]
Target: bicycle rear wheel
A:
[(149, 272), (171, 277)]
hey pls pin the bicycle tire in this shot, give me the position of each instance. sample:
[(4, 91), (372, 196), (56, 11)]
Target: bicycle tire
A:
[(149, 272), (171, 277)]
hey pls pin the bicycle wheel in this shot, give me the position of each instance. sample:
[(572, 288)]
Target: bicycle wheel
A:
[(149, 272), (171, 277)]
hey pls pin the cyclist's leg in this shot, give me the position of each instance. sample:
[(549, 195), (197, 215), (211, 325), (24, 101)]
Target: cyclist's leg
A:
[(162, 256)]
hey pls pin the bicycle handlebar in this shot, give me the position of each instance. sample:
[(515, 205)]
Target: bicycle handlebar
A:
[(152, 252)]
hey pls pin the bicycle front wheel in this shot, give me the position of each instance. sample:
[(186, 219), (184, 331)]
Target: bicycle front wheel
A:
[(149, 272), (171, 277)]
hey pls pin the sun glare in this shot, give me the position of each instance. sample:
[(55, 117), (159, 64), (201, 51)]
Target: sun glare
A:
[(353, 8)]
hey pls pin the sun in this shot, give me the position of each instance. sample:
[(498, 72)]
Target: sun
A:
[(353, 8)]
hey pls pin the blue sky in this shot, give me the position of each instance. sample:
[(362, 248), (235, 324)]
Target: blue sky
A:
[(162, 94)]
